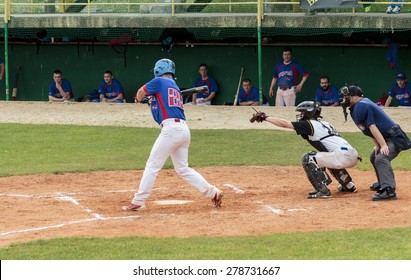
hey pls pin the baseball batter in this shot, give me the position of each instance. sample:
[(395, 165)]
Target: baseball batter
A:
[(167, 109), (286, 75), (335, 153), (388, 137)]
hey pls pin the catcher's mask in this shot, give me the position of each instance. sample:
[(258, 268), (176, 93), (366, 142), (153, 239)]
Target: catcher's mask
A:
[(346, 92), (308, 110)]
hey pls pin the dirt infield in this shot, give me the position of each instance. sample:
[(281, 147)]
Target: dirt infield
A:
[(258, 200)]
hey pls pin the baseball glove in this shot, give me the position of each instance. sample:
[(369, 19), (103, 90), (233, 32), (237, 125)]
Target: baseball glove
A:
[(258, 117)]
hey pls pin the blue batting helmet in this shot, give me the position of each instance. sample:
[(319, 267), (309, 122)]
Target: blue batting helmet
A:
[(164, 66)]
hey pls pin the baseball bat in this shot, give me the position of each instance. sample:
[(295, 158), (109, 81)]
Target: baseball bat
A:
[(194, 90), (238, 88), (14, 92)]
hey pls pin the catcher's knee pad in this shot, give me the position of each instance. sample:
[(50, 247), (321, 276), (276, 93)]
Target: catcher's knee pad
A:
[(342, 176), (317, 176)]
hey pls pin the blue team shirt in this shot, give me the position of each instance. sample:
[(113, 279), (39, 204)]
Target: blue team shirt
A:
[(365, 113), (166, 99), (401, 94), (1, 61), (110, 91), (210, 82), (327, 98), (254, 95), (288, 74), (65, 84)]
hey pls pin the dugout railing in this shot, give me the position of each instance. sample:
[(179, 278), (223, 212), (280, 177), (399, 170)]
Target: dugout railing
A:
[(173, 7)]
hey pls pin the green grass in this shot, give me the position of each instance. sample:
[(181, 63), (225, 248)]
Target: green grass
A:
[(30, 149), (326, 245)]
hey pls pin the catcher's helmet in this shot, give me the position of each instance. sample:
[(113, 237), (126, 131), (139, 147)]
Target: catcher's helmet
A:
[(164, 66), (308, 110)]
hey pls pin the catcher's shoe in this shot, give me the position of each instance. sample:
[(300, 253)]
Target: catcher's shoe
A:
[(349, 188), (133, 207), (217, 198), (326, 194)]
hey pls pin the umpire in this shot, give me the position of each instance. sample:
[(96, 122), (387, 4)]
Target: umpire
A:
[(388, 137)]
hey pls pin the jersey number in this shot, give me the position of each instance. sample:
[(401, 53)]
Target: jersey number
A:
[(174, 98)]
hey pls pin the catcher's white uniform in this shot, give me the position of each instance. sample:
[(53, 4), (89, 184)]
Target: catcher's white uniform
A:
[(334, 151)]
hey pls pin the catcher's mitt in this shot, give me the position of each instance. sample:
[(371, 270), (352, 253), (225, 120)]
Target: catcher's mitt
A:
[(258, 117)]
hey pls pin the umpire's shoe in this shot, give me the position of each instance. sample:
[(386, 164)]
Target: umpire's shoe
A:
[(385, 194), (375, 187)]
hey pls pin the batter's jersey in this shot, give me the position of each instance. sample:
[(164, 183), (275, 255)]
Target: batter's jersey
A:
[(254, 95), (166, 99), (65, 84), (288, 74), (327, 98), (210, 82), (365, 113), (110, 91), (402, 95), (321, 135)]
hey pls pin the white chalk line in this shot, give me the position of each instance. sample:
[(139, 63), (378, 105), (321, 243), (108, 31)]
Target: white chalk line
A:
[(65, 224), (63, 197), (69, 198), (234, 188), (281, 211)]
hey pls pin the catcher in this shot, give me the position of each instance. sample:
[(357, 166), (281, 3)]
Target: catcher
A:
[(335, 153)]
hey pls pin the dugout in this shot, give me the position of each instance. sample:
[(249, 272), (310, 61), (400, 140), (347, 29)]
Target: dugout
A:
[(349, 48)]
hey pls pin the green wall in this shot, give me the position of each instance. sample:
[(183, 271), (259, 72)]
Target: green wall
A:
[(84, 65)]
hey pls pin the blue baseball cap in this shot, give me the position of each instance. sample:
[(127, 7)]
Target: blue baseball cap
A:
[(401, 76)]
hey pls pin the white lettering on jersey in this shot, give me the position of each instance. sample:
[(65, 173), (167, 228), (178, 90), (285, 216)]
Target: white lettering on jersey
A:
[(174, 98)]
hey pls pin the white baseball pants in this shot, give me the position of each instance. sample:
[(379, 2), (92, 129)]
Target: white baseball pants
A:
[(285, 97), (341, 158), (173, 141)]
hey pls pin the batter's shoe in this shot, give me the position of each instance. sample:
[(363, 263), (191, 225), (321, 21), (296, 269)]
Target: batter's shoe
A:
[(350, 187), (389, 10), (133, 207), (375, 187), (217, 200), (385, 194), (326, 194)]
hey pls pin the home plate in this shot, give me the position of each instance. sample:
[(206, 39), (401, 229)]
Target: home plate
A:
[(169, 202)]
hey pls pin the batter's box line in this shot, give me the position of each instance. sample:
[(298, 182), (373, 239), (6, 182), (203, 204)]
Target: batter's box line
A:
[(62, 197), (234, 188), (65, 224), (281, 211)]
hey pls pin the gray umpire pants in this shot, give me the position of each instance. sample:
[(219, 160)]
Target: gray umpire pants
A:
[(382, 166)]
